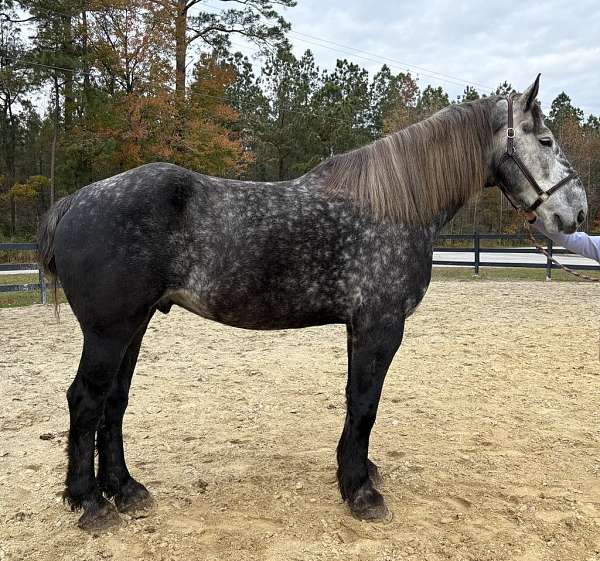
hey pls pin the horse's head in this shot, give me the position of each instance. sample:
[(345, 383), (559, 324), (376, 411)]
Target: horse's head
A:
[(531, 168)]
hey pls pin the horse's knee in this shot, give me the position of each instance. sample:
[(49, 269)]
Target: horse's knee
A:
[(69, 393)]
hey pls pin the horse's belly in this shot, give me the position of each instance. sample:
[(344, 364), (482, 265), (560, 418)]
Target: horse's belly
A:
[(254, 312)]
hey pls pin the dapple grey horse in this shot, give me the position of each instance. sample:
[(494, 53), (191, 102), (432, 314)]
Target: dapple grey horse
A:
[(349, 242)]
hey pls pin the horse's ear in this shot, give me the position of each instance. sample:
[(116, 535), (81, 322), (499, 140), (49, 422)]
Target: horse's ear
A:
[(530, 94)]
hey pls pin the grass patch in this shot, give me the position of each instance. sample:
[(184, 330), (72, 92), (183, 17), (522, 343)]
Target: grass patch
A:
[(19, 279), (15, 299), (17, 256)]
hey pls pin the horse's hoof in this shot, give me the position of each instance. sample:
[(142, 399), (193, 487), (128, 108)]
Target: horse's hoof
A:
[(368, 504), (133, 498), (374, 474), (98, 515)]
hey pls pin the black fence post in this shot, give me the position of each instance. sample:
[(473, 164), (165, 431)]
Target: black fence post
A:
[(43, 287), (476, 247), (549, 261)]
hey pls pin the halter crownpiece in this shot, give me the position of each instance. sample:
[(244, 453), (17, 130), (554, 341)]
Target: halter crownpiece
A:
[(510, 154)]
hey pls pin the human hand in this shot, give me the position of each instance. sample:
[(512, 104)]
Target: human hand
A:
[(530, 217)]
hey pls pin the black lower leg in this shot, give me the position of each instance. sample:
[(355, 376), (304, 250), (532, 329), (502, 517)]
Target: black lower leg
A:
[(99, 363), (371, 350), (114, 478), (372, 469)]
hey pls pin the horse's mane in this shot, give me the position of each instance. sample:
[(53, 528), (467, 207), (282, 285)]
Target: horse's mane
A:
[(412, 175)]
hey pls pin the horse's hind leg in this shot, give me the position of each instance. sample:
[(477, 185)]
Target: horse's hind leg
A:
[(101, 358), (371, 350), (114, 478)]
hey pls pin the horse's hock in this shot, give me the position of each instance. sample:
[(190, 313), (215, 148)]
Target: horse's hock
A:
[(487, 436)]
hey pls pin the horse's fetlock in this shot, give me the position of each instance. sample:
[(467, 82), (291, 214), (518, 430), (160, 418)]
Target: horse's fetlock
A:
[(74, 502), (109, 484)]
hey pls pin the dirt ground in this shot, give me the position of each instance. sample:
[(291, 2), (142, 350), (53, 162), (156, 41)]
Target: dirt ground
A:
[(488, 436)]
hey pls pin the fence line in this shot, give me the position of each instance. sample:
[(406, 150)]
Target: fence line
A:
[(477, 250), (41, 286), (476, 238)]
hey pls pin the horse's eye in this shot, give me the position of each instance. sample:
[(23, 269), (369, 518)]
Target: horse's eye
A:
[(545, 141)]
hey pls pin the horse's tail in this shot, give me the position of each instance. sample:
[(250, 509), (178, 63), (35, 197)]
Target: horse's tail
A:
[(45, 237)]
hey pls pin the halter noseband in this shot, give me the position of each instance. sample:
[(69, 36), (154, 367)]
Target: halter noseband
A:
[(510, 154)]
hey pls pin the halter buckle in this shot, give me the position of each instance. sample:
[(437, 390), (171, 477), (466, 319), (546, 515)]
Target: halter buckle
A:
[(510, 132), (544, 196)]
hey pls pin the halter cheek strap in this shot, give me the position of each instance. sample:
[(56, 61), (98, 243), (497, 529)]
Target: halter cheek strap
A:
[(510, 154)]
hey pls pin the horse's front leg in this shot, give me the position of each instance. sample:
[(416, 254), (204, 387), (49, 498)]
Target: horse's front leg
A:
[(371, 349)]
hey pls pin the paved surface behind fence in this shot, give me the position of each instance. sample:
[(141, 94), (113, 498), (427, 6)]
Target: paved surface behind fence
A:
[(508, 257)]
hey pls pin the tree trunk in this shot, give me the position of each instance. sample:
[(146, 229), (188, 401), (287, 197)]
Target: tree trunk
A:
[(52, 165), (86, 64), (501, 210), (69, 106), (180, 49), (11, 167), (54, 140), (13, 216), (475, 217), (589, 185)]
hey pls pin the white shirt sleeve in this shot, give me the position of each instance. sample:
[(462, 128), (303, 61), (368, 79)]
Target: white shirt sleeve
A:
[(579, 242)]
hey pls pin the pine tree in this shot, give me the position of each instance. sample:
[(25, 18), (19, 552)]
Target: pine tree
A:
[(431, 101), (393, 99), (16, 83), (257, 21)]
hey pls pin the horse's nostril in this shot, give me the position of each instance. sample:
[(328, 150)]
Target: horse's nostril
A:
[(565, 227), (559, 222), (580, 217)]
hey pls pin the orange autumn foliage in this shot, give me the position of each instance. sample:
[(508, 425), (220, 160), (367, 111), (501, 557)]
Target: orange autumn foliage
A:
[(145, 128)]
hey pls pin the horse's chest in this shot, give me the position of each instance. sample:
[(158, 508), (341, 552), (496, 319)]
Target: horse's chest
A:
[(393, 276)]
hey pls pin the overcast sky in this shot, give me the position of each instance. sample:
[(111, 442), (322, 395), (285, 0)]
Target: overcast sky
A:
[(481, 42)]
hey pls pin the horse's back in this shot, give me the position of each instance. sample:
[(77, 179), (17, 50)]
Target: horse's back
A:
[(160, 231)]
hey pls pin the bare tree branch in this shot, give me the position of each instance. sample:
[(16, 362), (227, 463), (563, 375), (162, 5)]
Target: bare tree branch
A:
[(9, 19)]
